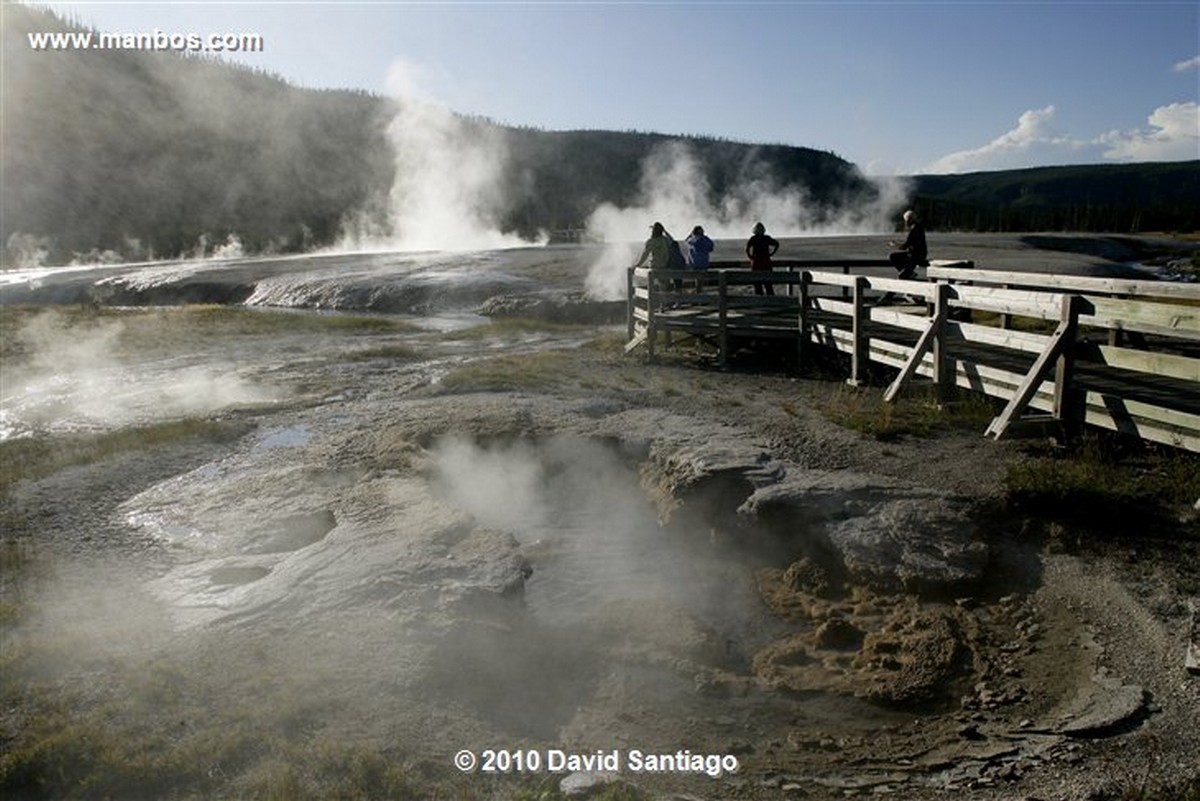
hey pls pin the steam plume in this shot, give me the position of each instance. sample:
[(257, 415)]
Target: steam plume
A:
[(674, 190), (447, 193), (78, 379)]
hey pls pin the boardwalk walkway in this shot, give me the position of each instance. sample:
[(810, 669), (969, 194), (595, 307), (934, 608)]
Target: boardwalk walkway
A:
[(1119, 354)]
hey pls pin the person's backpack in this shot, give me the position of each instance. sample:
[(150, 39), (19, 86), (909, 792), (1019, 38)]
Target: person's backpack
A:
[(675, 259)]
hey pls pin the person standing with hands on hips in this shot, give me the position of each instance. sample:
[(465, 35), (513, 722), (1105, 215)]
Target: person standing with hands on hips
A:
[(759, 249)]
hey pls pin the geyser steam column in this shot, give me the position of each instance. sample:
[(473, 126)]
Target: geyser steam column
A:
[(448, 191)]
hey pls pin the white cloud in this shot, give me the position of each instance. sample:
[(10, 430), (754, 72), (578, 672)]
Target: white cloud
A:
[(1033, 141), (1188, 64), (1173, 135)]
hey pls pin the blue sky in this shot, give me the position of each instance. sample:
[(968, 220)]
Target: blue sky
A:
[(896, 87)]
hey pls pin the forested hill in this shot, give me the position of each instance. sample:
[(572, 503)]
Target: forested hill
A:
[(150, 153), (128, 154), (134, 155), (1119, 198)]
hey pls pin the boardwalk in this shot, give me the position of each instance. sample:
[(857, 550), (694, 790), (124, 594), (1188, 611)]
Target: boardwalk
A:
[(1118, 354)]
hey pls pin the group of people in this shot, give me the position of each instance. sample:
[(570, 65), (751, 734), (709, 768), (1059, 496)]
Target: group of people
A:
[(663, 252), (661, 247)]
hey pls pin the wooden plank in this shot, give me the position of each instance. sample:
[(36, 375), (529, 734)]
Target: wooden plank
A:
[(803, 264), (1164, 319), (1080, 283), (902, 286), (1022, 303), (834, 279), (833, 306), (1144, 421), (910, 321), (1024, 341), (1154, 362)]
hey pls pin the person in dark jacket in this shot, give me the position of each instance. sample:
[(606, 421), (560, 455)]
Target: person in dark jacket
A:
[(913, 252), (759, 249)]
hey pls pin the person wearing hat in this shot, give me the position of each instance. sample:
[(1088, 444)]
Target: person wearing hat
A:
[(759, 249), (914, 252)]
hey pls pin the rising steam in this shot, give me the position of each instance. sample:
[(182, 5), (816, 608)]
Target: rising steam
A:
[(74, 378), (673, 189), (447, 193)]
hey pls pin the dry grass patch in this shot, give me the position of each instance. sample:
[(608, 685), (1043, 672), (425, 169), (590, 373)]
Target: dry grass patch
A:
[(37, 457), (918, 414)]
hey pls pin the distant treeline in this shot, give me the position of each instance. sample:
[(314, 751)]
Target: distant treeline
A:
[(1115, 198), (134, 155)]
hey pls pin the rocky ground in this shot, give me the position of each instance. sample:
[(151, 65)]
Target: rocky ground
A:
[(522, 539)]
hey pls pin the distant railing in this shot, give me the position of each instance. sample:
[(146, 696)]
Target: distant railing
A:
[(1118, 354)]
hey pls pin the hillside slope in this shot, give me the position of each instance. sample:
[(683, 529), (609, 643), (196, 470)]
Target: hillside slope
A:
[(1120, 198), (152, 154)]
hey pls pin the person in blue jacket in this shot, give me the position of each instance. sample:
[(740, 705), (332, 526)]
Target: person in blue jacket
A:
[(699, 247)]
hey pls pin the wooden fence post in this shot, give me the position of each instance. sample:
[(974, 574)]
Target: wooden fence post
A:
[(651, 303), (722, 319), (630, 304), (943, 376), (802, 323), (858, 328), (1069, 401)]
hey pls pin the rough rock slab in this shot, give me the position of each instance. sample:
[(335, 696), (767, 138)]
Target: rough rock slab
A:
[(913, 543), (1104, 706), (584, 785), (886, 534)]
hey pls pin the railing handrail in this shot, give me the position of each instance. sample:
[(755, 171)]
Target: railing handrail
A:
[(1131, 287)]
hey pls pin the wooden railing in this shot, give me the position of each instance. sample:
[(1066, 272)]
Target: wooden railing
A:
[(1122, 355)]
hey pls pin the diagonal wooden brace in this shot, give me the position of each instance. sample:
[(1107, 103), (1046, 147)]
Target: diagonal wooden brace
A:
[(924, 344), (1060, 342)]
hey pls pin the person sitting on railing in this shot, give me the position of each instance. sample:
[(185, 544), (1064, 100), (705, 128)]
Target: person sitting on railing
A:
[(759, 249), (913, 252)]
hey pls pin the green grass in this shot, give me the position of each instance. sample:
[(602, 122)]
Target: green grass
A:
[(538, 370), (171, 327), (509, 327), (74, 753), (395, 352), (38, 457), (1103, 481), (863, 409)]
